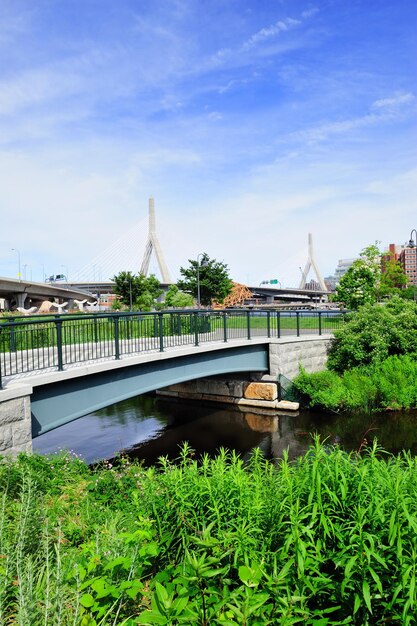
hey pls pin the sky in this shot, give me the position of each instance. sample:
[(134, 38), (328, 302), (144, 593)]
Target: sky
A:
[(251, 122)]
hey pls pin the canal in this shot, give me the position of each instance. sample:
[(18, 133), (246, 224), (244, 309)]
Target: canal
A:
[(148, 426)]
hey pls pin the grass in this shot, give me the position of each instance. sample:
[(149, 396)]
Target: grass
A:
[(328, 539)]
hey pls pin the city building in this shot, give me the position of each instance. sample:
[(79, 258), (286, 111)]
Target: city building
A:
[(342, 267), (408, 259)]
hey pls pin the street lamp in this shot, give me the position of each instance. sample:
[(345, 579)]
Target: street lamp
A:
[(411, 244), (18, 257), (203, 263)]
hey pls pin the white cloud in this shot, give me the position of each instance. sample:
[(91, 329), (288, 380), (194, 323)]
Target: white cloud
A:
[(394, 101), (270, 31)]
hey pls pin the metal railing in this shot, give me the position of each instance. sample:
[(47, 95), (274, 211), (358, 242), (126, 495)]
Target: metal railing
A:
[(54, 342)]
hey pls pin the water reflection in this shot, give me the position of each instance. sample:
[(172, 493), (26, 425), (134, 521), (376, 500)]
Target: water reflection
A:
[(148, 427)]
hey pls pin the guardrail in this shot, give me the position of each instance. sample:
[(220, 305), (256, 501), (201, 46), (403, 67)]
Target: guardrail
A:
[(54, 342)]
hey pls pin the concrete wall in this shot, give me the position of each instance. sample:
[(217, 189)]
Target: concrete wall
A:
[(15, 420), (286, 355)]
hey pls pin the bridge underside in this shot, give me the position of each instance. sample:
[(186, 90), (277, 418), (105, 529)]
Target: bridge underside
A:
[(56, 404)]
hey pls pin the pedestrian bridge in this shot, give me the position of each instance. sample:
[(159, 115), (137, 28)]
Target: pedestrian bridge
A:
[(50, 377)]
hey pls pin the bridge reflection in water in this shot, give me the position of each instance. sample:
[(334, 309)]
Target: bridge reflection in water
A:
[(146, 428)]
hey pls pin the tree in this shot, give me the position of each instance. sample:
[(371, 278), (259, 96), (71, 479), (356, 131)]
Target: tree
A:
[(138, 290), (393, 278), (215, 282), (178, 299), (361, 282)]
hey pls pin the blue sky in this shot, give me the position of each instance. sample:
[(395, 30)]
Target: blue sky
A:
[(251, 123)]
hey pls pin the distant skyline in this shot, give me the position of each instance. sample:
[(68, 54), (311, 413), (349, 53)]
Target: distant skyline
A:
[(251, 123)]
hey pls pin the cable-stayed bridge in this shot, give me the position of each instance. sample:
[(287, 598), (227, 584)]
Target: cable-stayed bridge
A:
[(135, 251)]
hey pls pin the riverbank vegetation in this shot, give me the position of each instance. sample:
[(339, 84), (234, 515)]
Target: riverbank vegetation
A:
[(372, 361), (328, 539)]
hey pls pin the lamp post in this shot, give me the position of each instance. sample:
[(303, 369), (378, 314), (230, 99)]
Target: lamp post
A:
[(18, 257), (202, 264), (411, 244)]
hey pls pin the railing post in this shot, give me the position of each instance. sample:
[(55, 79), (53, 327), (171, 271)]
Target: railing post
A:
[(12, 338), (248, 323), (268, 323), (95, 330), (196, 329), (116, 338), (224, 327), (279, 324), (161, 332), (319, 322), (58, 325), (298, 322)]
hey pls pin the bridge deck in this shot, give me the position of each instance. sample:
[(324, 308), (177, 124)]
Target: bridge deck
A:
[(55, 344)]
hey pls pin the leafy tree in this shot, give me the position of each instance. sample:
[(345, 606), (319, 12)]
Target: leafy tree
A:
[(178, 299), (137, 289), (393, 278), (373, 333), (215, 282), (360, 284)]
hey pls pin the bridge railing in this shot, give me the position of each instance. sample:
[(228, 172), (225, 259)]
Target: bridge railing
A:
[(54, 342)]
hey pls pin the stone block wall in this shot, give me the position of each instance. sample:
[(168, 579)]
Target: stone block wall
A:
[(15, 420), (285, 356)]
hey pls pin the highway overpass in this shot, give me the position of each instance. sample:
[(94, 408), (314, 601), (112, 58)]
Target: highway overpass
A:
[(22, 293)]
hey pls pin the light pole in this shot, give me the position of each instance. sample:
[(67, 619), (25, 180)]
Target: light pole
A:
[(411, 244), (202, 264), (18, 257)]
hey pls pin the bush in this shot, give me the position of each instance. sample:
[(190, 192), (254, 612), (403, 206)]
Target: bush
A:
[(374, 333), (390, 384)]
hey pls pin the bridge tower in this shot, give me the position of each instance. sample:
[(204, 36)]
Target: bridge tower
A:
[(311, 263), (153, 244)]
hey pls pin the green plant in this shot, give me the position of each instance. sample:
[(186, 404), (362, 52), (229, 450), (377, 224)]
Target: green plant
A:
[(210, 276), (373, 333)]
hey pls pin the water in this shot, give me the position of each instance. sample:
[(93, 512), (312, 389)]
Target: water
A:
[(147, 427)]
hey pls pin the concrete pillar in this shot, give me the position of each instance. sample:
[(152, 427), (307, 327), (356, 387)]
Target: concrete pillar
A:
[(21, 299), (15, 419)]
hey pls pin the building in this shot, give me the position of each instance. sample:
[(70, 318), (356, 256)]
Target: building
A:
[(408, 259), (342, 267)]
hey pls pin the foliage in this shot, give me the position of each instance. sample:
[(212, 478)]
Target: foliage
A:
[(215, 283), (326, 540), (178, 299), (393, 278), (360, 283), (409, 293), (390, 384), (373, 333), (137, 290)]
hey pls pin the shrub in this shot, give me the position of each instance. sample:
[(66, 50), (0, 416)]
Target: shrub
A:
[(374, 333), (391, 384)]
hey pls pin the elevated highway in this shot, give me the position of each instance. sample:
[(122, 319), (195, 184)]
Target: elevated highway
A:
[(261, 294), (22, 293)]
